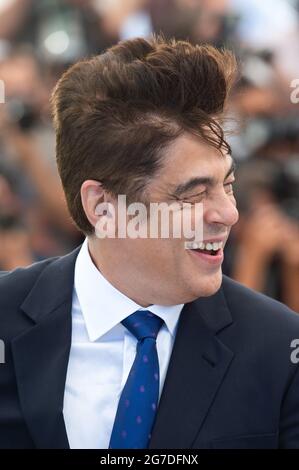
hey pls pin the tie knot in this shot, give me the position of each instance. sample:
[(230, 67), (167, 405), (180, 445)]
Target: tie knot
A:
[(143, 324)]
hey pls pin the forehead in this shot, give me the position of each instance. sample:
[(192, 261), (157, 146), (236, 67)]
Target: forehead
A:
[(188, 157)]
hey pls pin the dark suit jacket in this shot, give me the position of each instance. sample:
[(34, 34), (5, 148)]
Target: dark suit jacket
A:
[(230, 382)]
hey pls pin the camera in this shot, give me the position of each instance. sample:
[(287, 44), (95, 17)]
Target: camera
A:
[(21, 113)]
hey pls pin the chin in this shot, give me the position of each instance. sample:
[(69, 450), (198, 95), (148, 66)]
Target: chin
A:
[(210, 285)]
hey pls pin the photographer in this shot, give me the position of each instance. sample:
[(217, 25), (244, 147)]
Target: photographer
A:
[(27, 152), (267, 236)]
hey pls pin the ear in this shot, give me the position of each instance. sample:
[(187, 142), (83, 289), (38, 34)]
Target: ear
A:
[(93, 194)]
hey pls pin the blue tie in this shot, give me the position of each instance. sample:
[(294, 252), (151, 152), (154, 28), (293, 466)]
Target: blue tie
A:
[(139, 399)]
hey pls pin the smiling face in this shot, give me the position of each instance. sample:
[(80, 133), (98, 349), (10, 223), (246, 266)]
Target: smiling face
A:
[(162, 271)]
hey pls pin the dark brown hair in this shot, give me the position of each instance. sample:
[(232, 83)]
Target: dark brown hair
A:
[(115, 113)]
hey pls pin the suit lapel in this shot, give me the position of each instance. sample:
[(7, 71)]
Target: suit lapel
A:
[(196, 370), (41, 353)]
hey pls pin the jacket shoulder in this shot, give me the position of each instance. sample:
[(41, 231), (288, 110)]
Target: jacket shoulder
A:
[(248, 303), (16, 284)]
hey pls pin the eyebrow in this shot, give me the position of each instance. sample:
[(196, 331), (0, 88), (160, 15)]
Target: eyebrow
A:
[(200, 180)]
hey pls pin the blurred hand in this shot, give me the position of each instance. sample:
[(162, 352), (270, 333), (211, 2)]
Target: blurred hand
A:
[(9, 203), (268, 231), (290, 250)]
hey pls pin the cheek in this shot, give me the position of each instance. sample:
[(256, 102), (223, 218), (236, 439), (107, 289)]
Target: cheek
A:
[(164, 257), (155, 251), (167, 254)]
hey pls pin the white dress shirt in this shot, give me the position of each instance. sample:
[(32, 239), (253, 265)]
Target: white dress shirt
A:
[(102, 353)]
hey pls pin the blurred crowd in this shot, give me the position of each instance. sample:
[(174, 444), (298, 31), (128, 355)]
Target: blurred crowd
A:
[(39, 39)]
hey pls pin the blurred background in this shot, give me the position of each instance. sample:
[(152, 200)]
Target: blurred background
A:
[(39, 39)]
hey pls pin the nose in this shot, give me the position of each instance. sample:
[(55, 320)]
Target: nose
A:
[(221, 210)]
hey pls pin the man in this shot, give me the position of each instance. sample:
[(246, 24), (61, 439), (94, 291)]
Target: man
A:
[(136, 342)]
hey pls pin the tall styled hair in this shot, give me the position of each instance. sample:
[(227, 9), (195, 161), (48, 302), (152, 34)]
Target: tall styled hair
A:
[(116, 113)]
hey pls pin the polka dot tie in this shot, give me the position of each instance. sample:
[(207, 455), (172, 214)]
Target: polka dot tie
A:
[(139, 399)]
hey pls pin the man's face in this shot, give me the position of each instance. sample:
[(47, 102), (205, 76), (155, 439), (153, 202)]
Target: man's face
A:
[(161, 270)]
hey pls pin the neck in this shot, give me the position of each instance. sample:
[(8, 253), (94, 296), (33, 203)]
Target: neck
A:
[(111, 272)]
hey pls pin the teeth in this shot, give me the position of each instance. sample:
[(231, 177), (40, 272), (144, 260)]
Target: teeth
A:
[(215, 246)]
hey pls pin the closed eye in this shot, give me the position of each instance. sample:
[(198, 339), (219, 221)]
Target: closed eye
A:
[(194, 196), (229, 186)]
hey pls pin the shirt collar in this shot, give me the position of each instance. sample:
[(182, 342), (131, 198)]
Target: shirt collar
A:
[(103, 306)]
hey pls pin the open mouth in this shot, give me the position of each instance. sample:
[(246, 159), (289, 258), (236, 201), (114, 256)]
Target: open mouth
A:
[(210, 249), (208, 252)]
